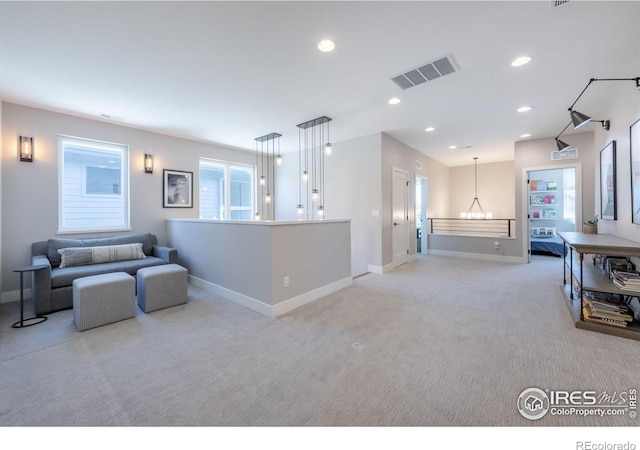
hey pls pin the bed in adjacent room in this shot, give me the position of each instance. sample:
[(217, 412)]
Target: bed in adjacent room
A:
[(544, 241)]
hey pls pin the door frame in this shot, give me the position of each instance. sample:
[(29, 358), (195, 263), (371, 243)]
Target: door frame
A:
[(526, 223), (405, 224)]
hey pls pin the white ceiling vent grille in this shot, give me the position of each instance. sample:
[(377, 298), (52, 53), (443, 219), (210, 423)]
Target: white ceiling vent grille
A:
[(554, 3), (571, 153), (426, 72)]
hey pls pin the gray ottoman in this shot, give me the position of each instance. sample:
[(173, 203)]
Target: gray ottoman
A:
[(161, 287), (102, 299)]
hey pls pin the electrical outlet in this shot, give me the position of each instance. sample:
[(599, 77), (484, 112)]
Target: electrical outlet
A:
[(285, 281)]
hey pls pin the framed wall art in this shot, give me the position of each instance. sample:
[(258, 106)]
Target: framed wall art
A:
[(608, 206), (177, 187), (634, 147)]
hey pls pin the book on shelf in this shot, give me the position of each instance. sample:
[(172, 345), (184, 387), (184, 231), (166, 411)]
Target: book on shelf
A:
[(552, 186), (548, 213), (627, 281), (606, 306), (611, 322)]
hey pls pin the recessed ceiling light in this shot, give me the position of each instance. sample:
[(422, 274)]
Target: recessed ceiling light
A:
[(394, 101), (452, 147), (526, 135), (521, 61), (429, 129), (326, 45), (525, 108)]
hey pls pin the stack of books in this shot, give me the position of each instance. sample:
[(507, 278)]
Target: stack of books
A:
[(605, 309), (627, 281)]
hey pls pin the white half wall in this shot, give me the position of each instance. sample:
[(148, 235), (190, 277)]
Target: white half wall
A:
[(270, 267)]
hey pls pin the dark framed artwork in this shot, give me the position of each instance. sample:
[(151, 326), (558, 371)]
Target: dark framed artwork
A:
[(177, 189), (608, 209), (634, 147)]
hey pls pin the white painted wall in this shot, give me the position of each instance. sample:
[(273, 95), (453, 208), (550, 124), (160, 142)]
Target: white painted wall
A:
[(246, 262), (535, 154), (30, 190), (397, 154), (496, 189), (353, 192)]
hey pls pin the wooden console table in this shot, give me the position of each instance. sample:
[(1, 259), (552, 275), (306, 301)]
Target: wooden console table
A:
[(591, 279)]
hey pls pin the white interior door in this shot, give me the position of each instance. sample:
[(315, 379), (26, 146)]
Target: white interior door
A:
[(400, 229)]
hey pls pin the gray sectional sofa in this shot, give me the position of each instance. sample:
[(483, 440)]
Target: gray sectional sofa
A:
[(52, 287)]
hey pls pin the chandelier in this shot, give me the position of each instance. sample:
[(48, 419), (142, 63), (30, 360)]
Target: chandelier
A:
[(475, 211)]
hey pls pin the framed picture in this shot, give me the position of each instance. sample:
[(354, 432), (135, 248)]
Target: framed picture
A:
[(177, 187), (608, 208), (634, 145)]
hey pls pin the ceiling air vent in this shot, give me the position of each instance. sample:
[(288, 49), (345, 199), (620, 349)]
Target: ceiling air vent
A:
[(426, 72), (554, 3), (571, 153)]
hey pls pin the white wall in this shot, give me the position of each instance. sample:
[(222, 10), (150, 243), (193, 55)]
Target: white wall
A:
[(535, 154), (399, 155), (352, 185), (30, 190), (247, 262), (496, 189), (622, 111)]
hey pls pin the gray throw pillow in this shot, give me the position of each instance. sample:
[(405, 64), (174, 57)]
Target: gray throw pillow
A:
[(79, 256)]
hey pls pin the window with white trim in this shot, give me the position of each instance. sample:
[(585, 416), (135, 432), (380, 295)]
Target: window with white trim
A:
[(226, 190), (93, 186)]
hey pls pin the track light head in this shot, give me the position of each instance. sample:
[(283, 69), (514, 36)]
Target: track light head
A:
[(579, 119), (561, 144)]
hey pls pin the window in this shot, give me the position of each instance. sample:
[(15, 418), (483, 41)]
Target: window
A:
[(569, 194), (226, 190), (93, 186)]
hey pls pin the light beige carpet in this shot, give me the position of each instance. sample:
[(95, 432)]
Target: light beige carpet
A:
[(438, 342)]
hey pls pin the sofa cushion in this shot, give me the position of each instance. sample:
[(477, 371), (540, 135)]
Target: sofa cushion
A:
[(79, 256), (64, 277), (53, 245)]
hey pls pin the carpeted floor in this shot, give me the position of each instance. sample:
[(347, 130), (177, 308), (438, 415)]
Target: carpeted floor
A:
[(437, 342)]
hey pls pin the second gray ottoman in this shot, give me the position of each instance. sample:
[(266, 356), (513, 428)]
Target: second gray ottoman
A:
[(102, 299), (161, 287)]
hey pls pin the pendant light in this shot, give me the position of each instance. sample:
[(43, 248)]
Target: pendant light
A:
[(268, 161), (315, 134), (480, 212)]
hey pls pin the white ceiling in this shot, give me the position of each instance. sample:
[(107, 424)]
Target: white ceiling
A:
[(227, 72)]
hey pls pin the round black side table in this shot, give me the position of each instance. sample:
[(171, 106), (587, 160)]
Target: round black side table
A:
[(31, 320)]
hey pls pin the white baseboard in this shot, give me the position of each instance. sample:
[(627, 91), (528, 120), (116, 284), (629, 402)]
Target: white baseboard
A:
[(270, 310), (479, 256), (14, 296), (380, 269), (308, 297)]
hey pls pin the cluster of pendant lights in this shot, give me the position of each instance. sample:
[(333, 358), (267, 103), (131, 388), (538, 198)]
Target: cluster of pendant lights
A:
[(313, 145), (266, 151), (579, 119)]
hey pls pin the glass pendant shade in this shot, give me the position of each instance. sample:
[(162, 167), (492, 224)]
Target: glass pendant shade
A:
[(328, 148), (267, 198)]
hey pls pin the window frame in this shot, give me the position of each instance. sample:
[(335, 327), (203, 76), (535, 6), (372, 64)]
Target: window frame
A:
[(123, 149), (228, 167)]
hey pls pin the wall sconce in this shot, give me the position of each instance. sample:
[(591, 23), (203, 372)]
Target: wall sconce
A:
[(579, 119), (25, 146), (561, 144), (148, 163)]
